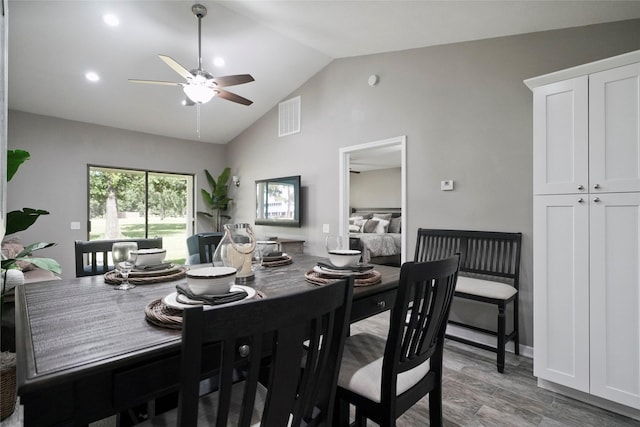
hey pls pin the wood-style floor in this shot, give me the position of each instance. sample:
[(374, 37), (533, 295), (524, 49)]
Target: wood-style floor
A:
[(475, 394)]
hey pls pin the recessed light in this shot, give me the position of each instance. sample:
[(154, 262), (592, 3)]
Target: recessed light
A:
[(92, 77), (111, 19), (218, 61)]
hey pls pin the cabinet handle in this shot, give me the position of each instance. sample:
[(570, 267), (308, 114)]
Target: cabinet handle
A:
[(580, 200), (580, 187), (597, 186), (381, 304), (597, 200)]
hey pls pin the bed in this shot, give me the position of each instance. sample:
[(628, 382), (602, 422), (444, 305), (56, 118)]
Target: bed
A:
[(377, 233)]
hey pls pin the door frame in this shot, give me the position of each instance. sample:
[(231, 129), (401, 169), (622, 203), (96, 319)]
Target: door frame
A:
[(345, 182)]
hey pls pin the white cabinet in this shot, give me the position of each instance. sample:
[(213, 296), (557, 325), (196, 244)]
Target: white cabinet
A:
[(587, 229)]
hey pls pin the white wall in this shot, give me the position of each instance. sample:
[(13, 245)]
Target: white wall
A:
[(467, 116), (55, 178), (376, 189)]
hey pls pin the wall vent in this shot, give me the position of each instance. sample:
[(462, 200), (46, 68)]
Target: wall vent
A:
[(289, 116)]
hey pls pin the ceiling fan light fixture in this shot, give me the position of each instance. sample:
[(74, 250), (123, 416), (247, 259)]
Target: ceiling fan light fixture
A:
[(199, 94)]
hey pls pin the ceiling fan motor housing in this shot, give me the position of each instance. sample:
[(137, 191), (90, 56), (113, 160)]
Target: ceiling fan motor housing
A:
[(199, 10)]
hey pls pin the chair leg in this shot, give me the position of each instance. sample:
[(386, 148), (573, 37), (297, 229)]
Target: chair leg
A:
[(435, 406), (516, 326), (501, 337)]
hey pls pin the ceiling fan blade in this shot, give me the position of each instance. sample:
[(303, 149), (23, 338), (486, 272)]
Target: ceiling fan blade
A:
[(176, 66), (221, 93), (237, 79), (156, 82)]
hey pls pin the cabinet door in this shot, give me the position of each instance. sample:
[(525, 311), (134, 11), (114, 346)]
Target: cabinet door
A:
[(614, 130), (615, 297), (560, 137), (561, 289)]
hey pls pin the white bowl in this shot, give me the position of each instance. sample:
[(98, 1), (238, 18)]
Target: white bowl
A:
[(211, 280), (344, 257), (150, 256)]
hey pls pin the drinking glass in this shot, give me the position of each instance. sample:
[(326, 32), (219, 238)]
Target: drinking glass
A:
[(124, 255), (333, 243), (256, 259)]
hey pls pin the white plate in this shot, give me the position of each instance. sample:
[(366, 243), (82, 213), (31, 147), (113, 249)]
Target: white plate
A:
[(171, 300), (340, 273)]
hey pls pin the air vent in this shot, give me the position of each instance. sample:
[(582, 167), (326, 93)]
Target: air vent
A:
[(289, 117)]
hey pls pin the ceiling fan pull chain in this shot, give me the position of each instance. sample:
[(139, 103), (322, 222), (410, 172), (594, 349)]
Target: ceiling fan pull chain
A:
[(198, 119)]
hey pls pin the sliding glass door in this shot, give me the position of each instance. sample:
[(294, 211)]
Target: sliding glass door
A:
[(127, 203)]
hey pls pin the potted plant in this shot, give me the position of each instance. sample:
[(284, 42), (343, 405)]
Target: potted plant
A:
[(217, 200)]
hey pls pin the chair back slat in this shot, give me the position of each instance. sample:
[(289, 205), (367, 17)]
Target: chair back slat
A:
[(92, 257), (207, 245), (277, 327)]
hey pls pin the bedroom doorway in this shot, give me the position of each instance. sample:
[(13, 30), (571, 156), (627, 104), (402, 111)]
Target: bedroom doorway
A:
[(381, 154)]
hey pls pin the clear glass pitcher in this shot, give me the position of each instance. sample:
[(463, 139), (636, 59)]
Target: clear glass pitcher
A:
[(236, 250)]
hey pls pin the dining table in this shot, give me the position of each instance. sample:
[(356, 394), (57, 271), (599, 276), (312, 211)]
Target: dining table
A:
[(86, 351)]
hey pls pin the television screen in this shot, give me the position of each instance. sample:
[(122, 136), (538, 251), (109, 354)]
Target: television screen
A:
[(278, 201)]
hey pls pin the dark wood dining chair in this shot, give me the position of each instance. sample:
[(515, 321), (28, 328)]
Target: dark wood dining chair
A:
[(207, 245), (302, 335), (94, 257), (383, 377)]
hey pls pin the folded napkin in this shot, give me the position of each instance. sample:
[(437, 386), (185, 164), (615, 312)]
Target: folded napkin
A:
[(183, 289), (153, 267), (359, 268)]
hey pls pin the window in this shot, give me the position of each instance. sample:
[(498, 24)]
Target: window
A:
[(126, 203)]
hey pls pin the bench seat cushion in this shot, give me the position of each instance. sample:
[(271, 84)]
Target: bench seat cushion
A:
[(485, 288)]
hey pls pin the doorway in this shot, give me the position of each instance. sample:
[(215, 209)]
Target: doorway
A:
[(353, 156)]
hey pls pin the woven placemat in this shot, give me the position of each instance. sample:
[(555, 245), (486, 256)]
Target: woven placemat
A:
[(286, 260), (159, 314), (113, 278), (319, 279)]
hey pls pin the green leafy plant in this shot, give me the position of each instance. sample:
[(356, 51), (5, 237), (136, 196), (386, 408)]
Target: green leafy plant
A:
[(217, 199), (22, 219)]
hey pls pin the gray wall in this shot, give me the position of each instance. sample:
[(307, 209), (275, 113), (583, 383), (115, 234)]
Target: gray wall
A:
[(376, 189), (466, 114), (55, 178)]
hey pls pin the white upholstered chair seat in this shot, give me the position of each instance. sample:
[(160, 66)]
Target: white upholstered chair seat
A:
[(485, 288), (361, 368)]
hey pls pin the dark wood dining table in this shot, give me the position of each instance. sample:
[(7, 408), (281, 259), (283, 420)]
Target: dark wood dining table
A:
[(86, 352)]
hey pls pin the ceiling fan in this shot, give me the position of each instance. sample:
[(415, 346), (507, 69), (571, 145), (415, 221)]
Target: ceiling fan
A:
[(200, 86)]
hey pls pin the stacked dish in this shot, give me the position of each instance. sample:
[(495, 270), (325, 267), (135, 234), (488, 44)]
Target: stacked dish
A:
[(327, 272), (275, 259)]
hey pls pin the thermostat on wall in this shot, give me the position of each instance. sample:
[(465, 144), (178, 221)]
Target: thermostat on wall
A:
[(446, 185)]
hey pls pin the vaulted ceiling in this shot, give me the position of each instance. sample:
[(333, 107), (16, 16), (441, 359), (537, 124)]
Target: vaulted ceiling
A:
[(52, 44)]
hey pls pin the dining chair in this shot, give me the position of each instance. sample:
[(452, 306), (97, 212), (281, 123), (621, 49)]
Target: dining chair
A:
[(383, 377), (202, 246), (93, 257), (288, 349)]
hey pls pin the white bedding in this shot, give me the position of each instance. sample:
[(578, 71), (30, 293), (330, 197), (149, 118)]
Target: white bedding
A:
[(378, 244)]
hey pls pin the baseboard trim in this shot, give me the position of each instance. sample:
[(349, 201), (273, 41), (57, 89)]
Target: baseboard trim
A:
[(481, 338), (590, 399)]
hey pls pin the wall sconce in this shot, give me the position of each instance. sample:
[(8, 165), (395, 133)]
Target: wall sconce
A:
[(236, 180)]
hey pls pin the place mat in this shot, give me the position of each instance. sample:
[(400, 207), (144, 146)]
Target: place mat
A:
[(113, 278), (159, 314), (283, 260), (320, 279)]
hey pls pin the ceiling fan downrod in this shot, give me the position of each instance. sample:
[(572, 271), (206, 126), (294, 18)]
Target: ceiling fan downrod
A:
[(200, 12)]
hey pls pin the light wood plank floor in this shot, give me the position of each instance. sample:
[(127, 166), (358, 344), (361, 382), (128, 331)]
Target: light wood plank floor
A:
[(475, 394)]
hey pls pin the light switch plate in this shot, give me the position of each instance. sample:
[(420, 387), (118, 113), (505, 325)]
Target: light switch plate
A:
[(75, 225), (446, 185), (325, 228)]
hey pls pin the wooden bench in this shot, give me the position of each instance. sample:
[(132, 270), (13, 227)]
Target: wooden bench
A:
[(489, 273)]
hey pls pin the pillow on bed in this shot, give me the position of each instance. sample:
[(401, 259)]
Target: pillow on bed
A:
[(354, 228), (370, 226), (385, 216), (382, 226), (395, 225)]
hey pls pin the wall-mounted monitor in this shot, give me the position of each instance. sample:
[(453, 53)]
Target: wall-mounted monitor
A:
[(278, 201)]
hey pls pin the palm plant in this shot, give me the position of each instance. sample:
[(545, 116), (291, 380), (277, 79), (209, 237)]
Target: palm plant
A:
[(217, 199)]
